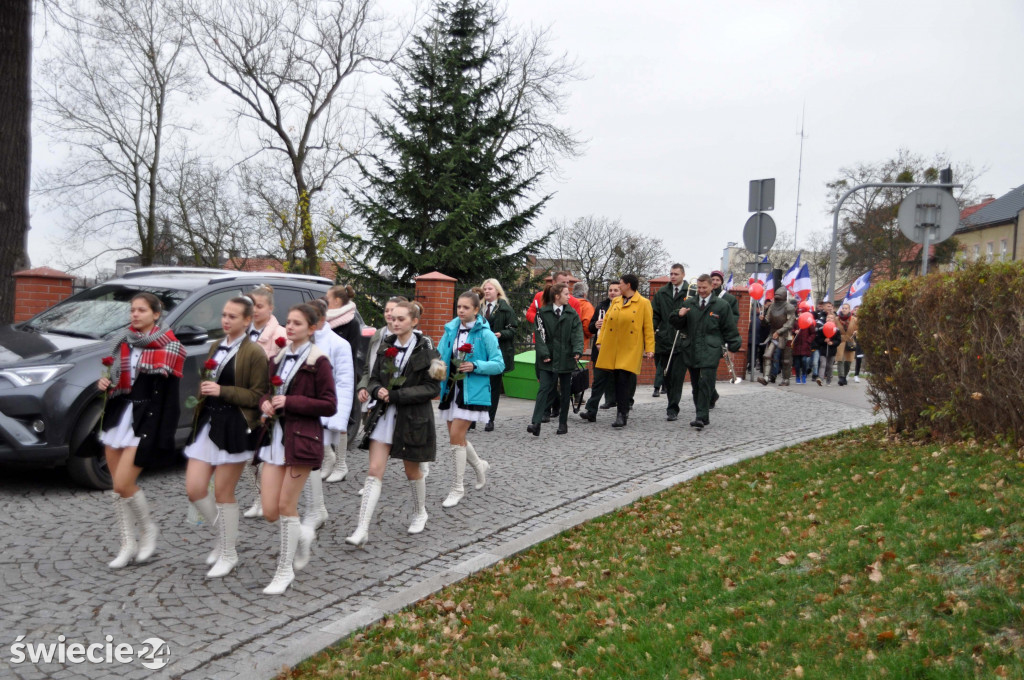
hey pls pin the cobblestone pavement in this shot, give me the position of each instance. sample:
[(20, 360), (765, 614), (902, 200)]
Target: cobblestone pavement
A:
[(57, 539)]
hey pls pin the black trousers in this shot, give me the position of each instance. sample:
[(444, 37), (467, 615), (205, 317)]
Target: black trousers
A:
[(496, 390), (673, 380), (598, 388), (549, 381), (702, 381), (625, 388)]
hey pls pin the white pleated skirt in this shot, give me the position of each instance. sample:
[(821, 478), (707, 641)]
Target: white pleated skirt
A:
[(273, 453), (205, 450), (454, 412), (122, 436)]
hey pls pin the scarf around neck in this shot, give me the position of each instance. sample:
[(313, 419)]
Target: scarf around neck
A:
[(342, 315), (162, 354)]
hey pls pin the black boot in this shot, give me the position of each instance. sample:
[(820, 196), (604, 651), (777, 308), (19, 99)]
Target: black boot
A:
[(534, 429), (620, 420), (589, 416)]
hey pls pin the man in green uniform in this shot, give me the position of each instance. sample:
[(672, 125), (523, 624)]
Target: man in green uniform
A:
[(717, 281), (708, 324), (668, 350)]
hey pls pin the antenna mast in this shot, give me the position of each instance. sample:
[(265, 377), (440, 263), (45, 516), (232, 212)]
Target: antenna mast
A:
[(799, 174)]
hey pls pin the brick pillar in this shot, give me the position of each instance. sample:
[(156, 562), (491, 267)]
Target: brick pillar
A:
[(743, 325), (436, 292), (38, 289), (656, 284)]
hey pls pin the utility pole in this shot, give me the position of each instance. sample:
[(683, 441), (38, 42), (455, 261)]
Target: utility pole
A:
[(799, 173)]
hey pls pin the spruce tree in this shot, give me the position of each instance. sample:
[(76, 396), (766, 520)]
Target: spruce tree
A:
[(450, 192)]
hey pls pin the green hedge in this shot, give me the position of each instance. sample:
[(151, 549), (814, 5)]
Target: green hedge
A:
[(946, 351)]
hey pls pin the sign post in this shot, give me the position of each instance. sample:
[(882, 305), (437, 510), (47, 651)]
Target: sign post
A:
[(758, 238)]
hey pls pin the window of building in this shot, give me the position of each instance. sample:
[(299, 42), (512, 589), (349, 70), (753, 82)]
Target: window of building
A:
[(989, 251), (1003, 251), (977, 253)]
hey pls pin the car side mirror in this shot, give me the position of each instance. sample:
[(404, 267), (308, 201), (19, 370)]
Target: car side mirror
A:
[(192, 335)]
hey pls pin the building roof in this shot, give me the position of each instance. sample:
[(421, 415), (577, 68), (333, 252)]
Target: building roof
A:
[(1003, 209)]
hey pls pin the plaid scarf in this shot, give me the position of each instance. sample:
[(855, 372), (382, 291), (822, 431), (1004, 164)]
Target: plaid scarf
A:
[(162, 354)]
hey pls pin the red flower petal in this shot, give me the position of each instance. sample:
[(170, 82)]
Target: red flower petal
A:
[(210, 365), (108, 361), (281, 342), (391, 352), (276, 381)]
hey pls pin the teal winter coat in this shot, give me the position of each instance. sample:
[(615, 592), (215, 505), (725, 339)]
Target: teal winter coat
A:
[(485, 357)]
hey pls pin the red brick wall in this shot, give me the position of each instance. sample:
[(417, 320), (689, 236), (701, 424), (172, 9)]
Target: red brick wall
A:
[(436, 292), (38, 289)]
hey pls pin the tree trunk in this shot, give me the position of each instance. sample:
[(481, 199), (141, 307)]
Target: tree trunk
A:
[(15, 144)]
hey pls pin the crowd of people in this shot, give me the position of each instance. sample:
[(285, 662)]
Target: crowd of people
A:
[(285, 402), (827, 346)]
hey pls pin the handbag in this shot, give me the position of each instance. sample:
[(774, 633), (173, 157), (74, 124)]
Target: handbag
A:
[(579, 383)]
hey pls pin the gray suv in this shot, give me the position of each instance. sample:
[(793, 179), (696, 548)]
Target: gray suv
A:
[(49, 365)]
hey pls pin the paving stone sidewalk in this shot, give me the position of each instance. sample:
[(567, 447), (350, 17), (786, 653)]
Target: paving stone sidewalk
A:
[(57, 539)]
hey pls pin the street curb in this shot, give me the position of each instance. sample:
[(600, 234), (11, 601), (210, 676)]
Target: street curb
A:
[(328, 635)]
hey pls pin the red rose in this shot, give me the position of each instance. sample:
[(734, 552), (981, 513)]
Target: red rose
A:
[(466, 347), (391, 352), (276, 381), (281, 342), (108, 361), (210, 365)]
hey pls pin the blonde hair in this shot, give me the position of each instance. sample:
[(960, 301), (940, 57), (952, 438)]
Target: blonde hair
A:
[(497, 287), (415, 309), (265, 291)]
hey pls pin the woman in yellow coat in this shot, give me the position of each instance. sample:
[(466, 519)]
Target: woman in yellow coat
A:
[(626, 338)]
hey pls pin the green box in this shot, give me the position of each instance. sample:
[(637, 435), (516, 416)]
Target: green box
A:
[(521, 381)]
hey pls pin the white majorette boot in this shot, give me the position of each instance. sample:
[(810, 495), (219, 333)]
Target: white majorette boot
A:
[(371, 492), (330, 458), (285, 573), (316, 509), (207, 507), (126, 530), (479, 465), (148, 531), (304, 547), (340, 471), (256, 509), (457, 490), (419, 505), (227, 558)]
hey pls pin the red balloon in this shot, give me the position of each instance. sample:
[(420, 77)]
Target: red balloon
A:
[(805, 306), (829, 329), (756, 291), (806, 320)]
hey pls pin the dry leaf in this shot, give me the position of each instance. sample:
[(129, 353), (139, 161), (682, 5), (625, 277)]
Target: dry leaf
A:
[(875, 572), (730, 585), (788, 558), (798, 672)]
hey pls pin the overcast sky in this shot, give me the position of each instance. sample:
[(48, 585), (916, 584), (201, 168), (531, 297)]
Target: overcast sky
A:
[(685, 102)]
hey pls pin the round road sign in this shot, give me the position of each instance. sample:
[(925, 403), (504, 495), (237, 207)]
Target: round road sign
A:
[(929, 212), (750, 229)]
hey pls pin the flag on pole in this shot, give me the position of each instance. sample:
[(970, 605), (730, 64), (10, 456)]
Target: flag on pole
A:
[(802, 283), (857, 289), (789, 279), (728, 284), (769, 286)]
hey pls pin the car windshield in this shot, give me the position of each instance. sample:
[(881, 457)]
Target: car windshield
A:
[(99, 311)]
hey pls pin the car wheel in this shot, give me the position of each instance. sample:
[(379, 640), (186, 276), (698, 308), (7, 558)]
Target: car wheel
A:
[(87, 465)]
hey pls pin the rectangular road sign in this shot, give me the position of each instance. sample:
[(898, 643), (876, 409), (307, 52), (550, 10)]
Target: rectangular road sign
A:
[(762, 195), (757, 267)]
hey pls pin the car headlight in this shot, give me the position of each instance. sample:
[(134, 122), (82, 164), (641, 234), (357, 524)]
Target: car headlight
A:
[(33, 375)]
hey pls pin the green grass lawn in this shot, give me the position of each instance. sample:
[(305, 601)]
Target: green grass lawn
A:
[(846, 557)]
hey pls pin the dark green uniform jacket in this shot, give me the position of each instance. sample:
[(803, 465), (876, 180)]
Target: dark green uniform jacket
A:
[(734, 304), (503, 320), (665, 307), (560, 340), (707, 330)]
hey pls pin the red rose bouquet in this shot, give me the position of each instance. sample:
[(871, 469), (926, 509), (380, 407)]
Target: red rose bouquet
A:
[(463, 351), (390, 368), (205, 373)]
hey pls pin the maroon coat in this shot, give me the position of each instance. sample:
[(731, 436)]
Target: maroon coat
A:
[(802, 342), (310, 396)]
